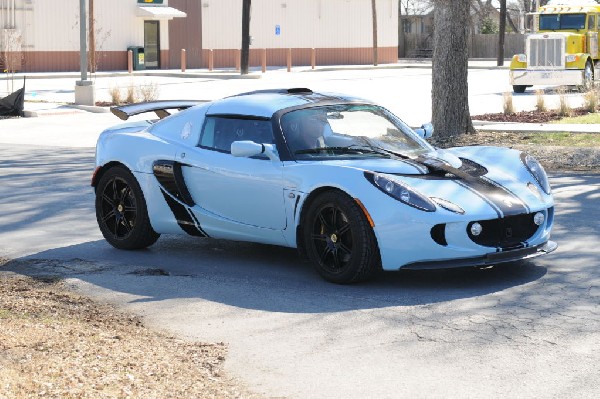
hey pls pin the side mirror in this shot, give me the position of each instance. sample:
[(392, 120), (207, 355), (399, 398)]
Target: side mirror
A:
[(247, 149), (425, 131)]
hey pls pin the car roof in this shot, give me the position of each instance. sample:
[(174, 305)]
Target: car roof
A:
[(264, 103)]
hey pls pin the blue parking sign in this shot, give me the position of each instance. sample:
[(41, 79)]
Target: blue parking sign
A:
[(277, 30)]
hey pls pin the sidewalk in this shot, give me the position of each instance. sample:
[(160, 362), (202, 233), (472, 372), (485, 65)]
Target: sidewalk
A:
[(255, 72)]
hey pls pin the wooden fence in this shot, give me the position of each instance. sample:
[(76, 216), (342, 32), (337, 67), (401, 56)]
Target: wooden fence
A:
[(414, 45)]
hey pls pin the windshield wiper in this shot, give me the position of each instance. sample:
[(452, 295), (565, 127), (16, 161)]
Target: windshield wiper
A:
[(351, 149), (384, 151)]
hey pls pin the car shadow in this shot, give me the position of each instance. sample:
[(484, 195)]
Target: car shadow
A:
[(256, 276)]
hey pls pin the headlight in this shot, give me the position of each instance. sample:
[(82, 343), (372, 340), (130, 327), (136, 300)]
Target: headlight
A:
[(537, 171), (401, 192)]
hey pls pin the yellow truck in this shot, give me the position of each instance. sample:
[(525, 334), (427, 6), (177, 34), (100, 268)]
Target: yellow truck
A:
[(563, 51)]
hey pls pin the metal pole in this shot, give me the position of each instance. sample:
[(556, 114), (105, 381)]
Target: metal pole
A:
[(82, 40)]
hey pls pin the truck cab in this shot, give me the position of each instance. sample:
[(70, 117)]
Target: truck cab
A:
[(563, 51)]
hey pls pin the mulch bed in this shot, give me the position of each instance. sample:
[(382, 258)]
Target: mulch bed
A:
[(528, 116)]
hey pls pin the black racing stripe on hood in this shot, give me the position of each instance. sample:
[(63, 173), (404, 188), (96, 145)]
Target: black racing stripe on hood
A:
[(504, 201)]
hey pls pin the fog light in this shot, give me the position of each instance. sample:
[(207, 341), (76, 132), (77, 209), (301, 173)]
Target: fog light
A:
[(539, 219), (476, 229)]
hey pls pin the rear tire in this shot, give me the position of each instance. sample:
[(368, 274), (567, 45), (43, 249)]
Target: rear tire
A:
[(121, 211), (339, 240), (519, 88)]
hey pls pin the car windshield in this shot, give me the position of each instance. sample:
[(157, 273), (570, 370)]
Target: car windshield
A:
[(562, 21), (349, 131)]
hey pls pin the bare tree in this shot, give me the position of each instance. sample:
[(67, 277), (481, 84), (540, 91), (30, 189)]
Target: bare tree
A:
[(245, 53), (450, 91), (11, 55)]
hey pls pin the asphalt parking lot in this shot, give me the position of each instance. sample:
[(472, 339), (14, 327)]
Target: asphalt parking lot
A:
[(522, 330)]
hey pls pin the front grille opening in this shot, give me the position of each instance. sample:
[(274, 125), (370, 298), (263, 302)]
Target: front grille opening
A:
[(546, 53), (438, 234), (507, 233)]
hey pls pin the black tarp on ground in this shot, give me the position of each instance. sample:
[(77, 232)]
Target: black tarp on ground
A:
[(13, 104)]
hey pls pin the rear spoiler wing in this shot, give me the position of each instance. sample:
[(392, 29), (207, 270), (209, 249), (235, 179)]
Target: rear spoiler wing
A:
[(158, 107)]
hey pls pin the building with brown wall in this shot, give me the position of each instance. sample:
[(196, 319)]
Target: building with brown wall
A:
[(43, 35)]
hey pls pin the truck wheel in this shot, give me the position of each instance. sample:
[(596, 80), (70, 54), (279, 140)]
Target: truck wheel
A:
[(588, 77), (519, 88)]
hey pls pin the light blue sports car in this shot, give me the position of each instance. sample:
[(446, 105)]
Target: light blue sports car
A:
[(341, 179)]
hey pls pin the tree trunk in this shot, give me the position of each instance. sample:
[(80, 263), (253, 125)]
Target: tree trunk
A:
[(450, 90), (245, 53), (501, 33), (374, 14)]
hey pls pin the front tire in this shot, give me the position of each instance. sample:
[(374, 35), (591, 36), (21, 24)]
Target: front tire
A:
[(121, 211), (339, 240), (588, 77)]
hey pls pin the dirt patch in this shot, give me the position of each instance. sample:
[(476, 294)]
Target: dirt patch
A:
[(553, 158), (57, 344)]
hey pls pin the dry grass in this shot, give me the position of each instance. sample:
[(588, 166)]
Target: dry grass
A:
[(115, 95), (540, 101), (509, 108), (591, 100), (564, 108), (148, 91), (131, 94), (56, 344)]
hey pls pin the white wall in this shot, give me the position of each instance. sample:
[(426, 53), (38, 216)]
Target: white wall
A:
[(53, 25), (303, 23)]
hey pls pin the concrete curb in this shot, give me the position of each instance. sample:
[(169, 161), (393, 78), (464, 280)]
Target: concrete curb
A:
[(158, 73), (405, 63), (515, 127)]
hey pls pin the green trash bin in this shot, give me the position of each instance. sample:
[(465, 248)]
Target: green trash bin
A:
[(138, 58)]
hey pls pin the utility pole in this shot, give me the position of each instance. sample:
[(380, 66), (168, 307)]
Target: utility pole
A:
[(83, 60), (245, 53), (374, 15), (85, 93), (92, 38)]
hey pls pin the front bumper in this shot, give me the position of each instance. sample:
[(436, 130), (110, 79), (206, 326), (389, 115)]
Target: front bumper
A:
[(557, 77), (489, 259)]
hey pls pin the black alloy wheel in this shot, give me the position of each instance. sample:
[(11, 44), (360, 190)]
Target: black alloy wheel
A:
[(121, 211), (339, 240)]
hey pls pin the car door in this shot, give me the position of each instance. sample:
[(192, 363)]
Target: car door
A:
[(233, 193)]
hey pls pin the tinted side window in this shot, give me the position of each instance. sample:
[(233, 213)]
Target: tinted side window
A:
[(218, 133)]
